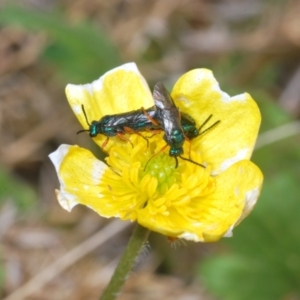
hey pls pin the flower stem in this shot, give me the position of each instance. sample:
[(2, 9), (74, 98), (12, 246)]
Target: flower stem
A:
[(126, 263)]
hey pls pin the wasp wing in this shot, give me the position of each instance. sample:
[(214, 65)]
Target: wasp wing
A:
[(162, 98), (167, 112)]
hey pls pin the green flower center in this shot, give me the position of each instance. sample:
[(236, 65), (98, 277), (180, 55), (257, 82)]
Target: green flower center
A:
[(162, 167)]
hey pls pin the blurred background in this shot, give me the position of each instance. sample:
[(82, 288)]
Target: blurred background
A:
[(47, 253)]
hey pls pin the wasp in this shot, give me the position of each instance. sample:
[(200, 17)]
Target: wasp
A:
[(177, 126)]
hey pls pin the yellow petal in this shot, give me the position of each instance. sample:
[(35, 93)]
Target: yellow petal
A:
[(86, 180), (120, 90), (79, 173), (210, 217), (237, 190), (198, 94)]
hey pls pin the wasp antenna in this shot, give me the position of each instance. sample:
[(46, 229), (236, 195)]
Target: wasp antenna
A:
[(210, 127), (82, 107), (201, 126), (193, 162), (83, 130)]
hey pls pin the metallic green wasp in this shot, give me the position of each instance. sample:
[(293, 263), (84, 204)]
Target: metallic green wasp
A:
[(177, 126)]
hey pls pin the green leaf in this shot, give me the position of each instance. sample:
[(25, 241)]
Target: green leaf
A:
[(235, 277), (266, 245)]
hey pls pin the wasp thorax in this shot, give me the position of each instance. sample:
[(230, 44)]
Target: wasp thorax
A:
[(176, 140), (192, 133)]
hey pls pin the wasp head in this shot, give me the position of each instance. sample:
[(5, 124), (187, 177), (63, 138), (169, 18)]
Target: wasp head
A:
[(93, 130), (176, 151)]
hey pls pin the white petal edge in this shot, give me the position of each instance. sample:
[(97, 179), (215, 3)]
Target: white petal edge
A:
[(240, 97), (58, 155), (229, 233), (242, 154), (190, 237), (250, 201), (66, 199), (77, 91), (97, 84), (207, 74)]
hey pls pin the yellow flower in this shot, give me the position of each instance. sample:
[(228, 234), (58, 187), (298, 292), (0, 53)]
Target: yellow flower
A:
[(189, 202)]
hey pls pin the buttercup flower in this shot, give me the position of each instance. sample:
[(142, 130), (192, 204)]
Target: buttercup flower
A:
[(189, 202)]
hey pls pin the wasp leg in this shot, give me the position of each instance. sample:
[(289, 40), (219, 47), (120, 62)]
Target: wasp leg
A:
[(176, 162), (105, 143), (154, 131), (172, 239), (129, 130), (190, 146), (149, 117), (193, 162), (124, 138), (160, 151)]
